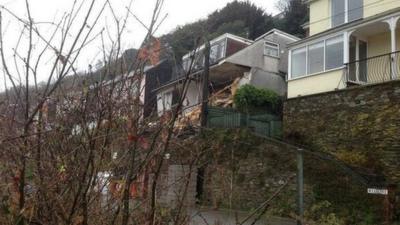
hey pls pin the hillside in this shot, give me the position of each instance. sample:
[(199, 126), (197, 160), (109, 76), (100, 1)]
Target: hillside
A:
[(241, 18)]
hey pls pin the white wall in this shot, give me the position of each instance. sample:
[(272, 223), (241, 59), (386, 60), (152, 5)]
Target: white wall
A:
[(193, 96), (164, 101)]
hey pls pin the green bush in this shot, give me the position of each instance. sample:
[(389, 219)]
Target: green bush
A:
[(321, 214), (250, 99)]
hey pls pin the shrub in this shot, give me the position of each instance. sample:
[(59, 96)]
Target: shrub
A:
[(249, 99), (321, 214)]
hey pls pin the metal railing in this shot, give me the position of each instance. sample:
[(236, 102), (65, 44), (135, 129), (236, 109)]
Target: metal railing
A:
[(264, 124), (376, 69)]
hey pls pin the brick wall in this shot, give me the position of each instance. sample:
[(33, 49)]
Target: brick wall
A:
[(360, 125)]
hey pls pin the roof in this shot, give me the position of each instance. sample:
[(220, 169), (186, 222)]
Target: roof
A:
[(278, 32), (309, 1), (222, 37), (279, 15), (273, 31)]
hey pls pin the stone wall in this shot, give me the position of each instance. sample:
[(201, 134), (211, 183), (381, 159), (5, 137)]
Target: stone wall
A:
[(244, 178), (360, 125), (177, 185)]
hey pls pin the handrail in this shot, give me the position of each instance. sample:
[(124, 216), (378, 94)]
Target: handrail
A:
[(376, 69), (373, 57)]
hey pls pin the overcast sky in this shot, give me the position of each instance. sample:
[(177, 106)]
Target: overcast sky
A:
[(179, 12)]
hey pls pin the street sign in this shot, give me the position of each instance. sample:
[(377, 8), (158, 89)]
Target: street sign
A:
[(376, 191)]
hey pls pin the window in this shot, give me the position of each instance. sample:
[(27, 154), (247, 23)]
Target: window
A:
[(214, 54), (222, 49), (344, 11), (217, 51), (199, 61), (334, 52), (271, 49), (164, 102), (186, 64), (299, 62), (338, 12), (316, 58), (356, 10)]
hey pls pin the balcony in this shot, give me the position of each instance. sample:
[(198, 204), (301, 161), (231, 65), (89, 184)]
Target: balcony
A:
[(372, 51), (373, 70)]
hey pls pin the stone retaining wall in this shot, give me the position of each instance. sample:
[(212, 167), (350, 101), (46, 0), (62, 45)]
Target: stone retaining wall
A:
[(360, 125)]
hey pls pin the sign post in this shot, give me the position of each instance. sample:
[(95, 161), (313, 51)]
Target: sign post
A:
[(300, 186), (388, 201), (376, 191)]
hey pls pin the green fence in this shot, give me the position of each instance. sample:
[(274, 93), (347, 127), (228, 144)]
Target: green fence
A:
[(264, 124)]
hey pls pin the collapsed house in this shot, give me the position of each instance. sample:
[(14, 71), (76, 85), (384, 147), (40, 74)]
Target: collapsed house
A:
[(234, 62)]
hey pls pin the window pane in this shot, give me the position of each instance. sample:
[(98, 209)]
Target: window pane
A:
[(316, 58), (167, 101), (334, 53), (199, 61), (299, 62), (222, 48), (186, 64), (271, 49), (338, 8), (355, 9), (214, 54)]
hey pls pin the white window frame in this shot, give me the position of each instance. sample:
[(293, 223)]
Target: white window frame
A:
[(306, 45), (272, 45)]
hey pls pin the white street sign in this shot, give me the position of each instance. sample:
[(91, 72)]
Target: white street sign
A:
[(375, 191)]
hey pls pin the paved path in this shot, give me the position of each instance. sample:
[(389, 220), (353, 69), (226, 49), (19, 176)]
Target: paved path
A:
[(219, 217)]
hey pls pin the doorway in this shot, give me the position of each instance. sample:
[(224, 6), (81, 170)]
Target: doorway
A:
[(358, 67)]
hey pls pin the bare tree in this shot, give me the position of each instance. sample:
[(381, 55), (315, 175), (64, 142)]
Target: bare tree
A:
[(65, 142)]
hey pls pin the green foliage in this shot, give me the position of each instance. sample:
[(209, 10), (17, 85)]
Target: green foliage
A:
[(256, 21), (321, 214), (237, 27), (295, 14), (241, 18), (350, 202), (183, 39), (249, 99)]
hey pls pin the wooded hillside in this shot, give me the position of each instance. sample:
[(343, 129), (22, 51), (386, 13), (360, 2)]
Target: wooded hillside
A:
[(241, 18)]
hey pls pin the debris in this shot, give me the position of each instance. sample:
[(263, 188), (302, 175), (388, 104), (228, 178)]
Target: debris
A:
[(221, 98), (224, 97)]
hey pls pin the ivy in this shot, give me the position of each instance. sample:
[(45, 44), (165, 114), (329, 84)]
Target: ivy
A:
[(251, 99)]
